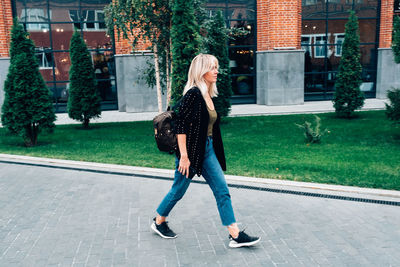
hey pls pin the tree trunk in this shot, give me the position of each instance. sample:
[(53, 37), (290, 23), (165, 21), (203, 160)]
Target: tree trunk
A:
[(29, 139), (35, 134), (168, 78), (85, 123), (158, 84), (172, 67)]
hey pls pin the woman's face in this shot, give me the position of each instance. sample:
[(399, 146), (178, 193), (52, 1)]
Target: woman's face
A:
[(211, 76)]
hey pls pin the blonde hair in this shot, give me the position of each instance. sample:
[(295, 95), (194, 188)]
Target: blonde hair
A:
[(201, 64)]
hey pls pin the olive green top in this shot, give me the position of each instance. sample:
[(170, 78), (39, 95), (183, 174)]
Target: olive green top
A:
[(213, 118)]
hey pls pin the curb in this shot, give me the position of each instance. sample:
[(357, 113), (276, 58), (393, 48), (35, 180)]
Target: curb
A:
[(378, 196)]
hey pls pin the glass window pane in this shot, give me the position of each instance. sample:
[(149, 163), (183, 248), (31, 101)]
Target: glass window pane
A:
[(97, 40), (61, 9), (243, 85), (47, 72), (61, 35), (215, 2), (59, 92), (212, 11), (75, 18), (34, 13), (306, 43), (338, 9), (366, 8), (89, 16), (103, 63), (313, 9), (44, 57), (241, 60), (368, 62), (41, 38), (100, 17), (319, 50), (367, 30), (338, 43), (243, 33), (241, 9), (62, 64)]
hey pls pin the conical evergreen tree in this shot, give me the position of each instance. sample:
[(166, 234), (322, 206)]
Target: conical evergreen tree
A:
[(27, 107), (396, 38), (186, 43), (216, 44), (348, 96), (83, 99)]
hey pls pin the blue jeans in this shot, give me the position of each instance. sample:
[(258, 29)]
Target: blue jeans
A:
[(213, 175)]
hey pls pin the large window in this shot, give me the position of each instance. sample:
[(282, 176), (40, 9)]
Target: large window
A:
[(323, 25), (51, 24), (240, 15), (35, 15)]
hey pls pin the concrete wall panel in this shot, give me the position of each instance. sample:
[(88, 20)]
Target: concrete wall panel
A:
[(4, 64), (133, 93), (280, 77), (388, 75)]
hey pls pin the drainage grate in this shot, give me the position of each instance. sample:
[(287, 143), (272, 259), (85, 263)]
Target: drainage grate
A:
[(239, 186)]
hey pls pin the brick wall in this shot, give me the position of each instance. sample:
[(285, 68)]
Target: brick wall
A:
[(5, 27), (278, 24), (385, 34), (124, 46)]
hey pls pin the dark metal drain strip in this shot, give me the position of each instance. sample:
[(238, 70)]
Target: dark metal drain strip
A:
[(259, 188)]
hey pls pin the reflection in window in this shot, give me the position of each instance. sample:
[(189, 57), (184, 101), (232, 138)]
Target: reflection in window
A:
[(305, 43), (339, 39), (93, 15), (355, 1), (240, 17), (74, 17), (45, 59), (90, 16), (320, 48), (35, 15), (242, 33), (308, 2)]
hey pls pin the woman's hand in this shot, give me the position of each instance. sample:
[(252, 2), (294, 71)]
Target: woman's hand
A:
[(184, 164)]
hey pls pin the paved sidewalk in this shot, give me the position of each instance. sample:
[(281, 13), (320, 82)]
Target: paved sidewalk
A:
[(51, 216), (237, 110)]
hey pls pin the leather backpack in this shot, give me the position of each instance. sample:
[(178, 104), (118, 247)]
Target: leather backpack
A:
[(164, 130)]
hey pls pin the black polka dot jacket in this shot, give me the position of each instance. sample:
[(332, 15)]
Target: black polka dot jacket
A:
[(192, 120)]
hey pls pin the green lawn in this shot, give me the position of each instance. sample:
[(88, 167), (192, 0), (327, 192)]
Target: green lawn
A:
[(362, 152)]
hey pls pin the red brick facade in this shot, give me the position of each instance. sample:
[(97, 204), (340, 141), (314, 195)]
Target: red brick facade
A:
[(5, 27), (385, 35), (123, 46), (278, 24)]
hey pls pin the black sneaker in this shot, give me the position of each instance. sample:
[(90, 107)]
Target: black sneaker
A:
[(243, 240), (162, 230)]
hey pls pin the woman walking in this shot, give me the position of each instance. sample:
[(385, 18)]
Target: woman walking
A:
[(200, 151)]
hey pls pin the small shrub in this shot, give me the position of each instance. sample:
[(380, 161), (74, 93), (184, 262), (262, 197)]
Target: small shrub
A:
[(393, 109), (313, 134)]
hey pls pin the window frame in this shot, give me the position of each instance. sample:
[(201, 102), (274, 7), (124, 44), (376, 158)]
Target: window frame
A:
[(324, 45), (34, 25), (95, 22), (338, 37), (309, 49), (41, 52)]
